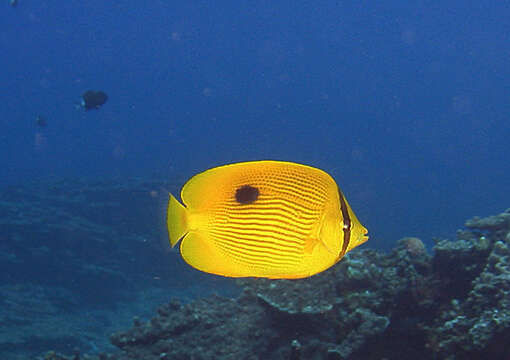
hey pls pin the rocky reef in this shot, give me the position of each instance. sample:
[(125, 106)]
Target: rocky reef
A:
[(78, 258), (453, 303)]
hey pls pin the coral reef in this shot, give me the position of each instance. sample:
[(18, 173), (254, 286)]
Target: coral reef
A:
[(69, 230), (451, 304), (77, 259)]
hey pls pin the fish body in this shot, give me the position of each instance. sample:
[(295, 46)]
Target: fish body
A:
[(269, 219), (92, 99)]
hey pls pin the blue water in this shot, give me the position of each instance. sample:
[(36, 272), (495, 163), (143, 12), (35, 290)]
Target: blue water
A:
[(405, 103)]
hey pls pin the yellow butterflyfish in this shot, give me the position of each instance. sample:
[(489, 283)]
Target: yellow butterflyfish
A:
[(271, 219)]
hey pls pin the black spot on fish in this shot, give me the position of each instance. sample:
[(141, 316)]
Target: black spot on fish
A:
[(247, 194), (93, 99)]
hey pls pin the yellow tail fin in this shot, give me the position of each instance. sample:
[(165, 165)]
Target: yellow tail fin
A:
[(176, 220)]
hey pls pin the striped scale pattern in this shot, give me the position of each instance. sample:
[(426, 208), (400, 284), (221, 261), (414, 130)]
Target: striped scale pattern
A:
[(271, 232)]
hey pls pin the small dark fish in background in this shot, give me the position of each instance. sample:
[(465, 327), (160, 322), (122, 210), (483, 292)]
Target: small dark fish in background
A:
[(92, 99), (41, 121), (13, 3)]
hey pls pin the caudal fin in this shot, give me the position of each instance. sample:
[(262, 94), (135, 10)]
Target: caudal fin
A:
[(176, 220)]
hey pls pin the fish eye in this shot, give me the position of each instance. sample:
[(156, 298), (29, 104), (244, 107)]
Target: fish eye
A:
[(247, 194)]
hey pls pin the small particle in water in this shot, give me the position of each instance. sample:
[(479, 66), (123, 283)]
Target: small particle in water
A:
[(41, 121)]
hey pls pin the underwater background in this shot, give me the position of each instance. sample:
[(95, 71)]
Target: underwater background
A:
[(405, 103)]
